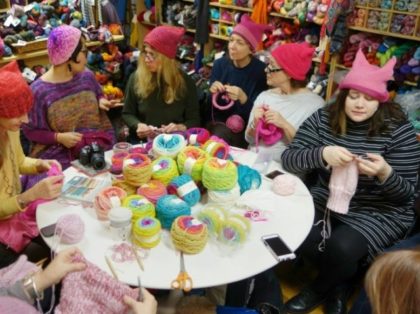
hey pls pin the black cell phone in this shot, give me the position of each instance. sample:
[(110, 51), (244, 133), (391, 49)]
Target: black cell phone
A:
[(277, 247), (48, 231), (273, 174)]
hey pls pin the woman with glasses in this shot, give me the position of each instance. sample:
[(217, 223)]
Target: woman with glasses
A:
[(160, 97), (289, 103), (69, 109)]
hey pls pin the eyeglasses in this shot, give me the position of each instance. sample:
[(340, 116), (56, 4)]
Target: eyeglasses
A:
[(148, 55), (270, 69)]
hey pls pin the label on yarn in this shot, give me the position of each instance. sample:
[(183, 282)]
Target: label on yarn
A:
[(210, 146), (193, 139), (141, 202), (189, 164), (115, 201), (177, 200), (167, 137), (195, 222), (186, 188), (157, 167)]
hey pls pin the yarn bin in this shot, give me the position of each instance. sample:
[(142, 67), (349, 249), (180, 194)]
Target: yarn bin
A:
[(70, 229), (152, 190), (219, 174), (185, 188), (169, 207), (164, 169), (248, 178), (146, 232), (168, 145), (189, 235), (106, 199), (191, 160), (197, 136), (140, 207), (137, 169)]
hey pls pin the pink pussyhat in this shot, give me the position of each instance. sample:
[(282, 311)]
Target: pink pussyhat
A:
[(251, 31)]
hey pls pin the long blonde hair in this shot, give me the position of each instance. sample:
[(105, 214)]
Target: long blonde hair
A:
[(393, 283), (167, 79)]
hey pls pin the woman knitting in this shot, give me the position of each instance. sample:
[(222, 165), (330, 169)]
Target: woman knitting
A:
[(17, 227), (69, 108), (239, 77), (278, 112), (160, 97), (365, 154)]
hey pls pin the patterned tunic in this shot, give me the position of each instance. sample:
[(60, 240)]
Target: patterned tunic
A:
[(381, 212)]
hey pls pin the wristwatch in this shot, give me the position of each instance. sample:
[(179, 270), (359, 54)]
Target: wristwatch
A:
[(31, 291)]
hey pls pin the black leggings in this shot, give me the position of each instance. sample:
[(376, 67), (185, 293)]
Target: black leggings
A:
[(341, 257), (221, 130)]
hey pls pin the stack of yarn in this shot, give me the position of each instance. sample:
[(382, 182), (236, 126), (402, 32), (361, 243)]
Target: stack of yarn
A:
[(191, 160), (219, 174), (146, 232), (106, 199), (189, 235), (137, 169), (169, 207), (164, 169), (139, 206), (185, 188)]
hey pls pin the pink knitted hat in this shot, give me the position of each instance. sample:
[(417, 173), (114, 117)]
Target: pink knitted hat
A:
[(250, 31), (165, 39), (62, 42), (343, 184), (295, 59), (16, 97), (368, 78), (10, 305)]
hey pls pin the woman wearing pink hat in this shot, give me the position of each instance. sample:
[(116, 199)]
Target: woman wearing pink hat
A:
[(366, 157), (241, 77), (288, 104), (160, 97)]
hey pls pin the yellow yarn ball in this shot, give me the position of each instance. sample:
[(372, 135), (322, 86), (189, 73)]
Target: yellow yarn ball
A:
[(189, 235), (219, 174), (146, 232), (191, 160)]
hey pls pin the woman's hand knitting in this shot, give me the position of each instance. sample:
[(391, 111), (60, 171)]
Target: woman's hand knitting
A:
[(236, 93), (336, 155), (217, 87), (143, 130), (69, 139), (258, 114), (147, 306), (48, 188), (275, 118), (375, 165), (45, 165)]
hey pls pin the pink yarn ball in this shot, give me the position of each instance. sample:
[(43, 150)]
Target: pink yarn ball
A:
[(235, 123), (70, 228), (284, 184)]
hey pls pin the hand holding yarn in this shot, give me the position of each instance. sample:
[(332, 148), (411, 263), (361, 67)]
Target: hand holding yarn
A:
[(221, 101), (173, 127), (52, 166), (236, 93), (217, 87), (337, 155), (275, 118), (143, 130), (375, 165)]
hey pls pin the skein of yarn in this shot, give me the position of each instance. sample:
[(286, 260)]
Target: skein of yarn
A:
[(168, 145), (235, 123), (152, 190), (189, 235), (225, 198), (216, 149), (106, 199), (284, 184), (248, 178), (219, 174), (185, 188), (117, 161), (191, 160), (70, 229), (214, 217), (197, 136), (137, 169), (164, 169), (169, 207), (146, 232), (234, 230), (139, 206)]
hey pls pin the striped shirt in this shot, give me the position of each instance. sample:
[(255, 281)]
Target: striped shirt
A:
[(381, 212)]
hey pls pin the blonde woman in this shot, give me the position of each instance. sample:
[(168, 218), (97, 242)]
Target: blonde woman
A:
[(160, 97)]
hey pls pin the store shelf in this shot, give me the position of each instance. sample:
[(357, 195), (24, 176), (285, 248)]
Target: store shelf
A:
[(231, 7), (388, 10), (374, 31), (219, 37), (222, 21), (275, 14)]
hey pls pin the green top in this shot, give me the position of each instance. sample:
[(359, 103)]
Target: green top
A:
[(155, 111)]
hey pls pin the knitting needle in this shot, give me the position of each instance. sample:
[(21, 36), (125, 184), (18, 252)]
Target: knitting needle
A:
[(140, 296), (138, 259), (108, 261)]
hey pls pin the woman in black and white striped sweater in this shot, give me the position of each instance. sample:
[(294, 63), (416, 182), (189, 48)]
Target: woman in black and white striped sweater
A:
[(365, 132)]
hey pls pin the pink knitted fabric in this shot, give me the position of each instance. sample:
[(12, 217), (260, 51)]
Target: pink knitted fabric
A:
[(165, 39), (368, 78), (16, 271), (10, 305), (62, 42), (343, 184), (251, 31), (93, 291)]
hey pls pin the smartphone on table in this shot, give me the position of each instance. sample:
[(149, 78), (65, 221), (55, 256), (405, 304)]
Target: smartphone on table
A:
[(271, 175), (278, 247), (48, 231)]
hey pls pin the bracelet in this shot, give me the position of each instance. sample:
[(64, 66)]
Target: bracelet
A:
[(252, 125), (30, 288)]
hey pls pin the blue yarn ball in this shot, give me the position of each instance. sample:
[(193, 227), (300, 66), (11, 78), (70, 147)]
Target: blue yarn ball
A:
[(170, 207), (248, 178), (185, 188)]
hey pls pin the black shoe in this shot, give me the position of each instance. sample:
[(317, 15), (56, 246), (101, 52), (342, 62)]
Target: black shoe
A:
[(304, 302), (337, 301)]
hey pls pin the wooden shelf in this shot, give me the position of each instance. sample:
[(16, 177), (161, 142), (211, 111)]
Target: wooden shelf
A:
[(219, 37), (222, 21), (376, 31), (275, 14), (148, 23), (232, 7), (387, 10)]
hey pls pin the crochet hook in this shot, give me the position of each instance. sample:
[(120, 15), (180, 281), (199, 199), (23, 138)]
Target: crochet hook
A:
[(138, 259), (108, 261), (140, 296)]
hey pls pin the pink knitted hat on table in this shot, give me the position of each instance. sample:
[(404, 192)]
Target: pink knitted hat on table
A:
[(251, 31), (295, 59), (165, 39), (368, 78), (62, 42)]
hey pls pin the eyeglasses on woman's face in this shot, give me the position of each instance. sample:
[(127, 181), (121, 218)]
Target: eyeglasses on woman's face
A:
[(148, 54), (271, 69)]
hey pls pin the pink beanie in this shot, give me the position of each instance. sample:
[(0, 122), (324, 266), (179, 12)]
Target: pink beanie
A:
[(250, 31), (10, 305), (62, 42), (343, 184), (165, 39), (368, 78), (295, 59)]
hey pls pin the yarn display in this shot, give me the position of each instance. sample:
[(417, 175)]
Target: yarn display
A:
[(146, 232), (284, 184), (197, 136), (106, 199), (152, 190), (235, 123), (164, 169), (185, 188), (137, 169), (168, 145), (117, 161), (248, 178), (128, 188), (214, 217), (226, 198), (219, 174), (169, 207), (189, 235), (234, 230), (216, 149), (140, 207), (70, 229), (191, 160)]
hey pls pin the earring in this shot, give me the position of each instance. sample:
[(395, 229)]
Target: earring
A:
[(69, 67)]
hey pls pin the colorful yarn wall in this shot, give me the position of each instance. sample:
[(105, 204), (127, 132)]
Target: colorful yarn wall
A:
[(191, 160), (152, 190), (164, 169), (185, 188), (106, 199), (189, 235), (140, 207), (219, 174), (168, 145), (248, 178), (169, 207), (146, 232), (197, 136), (137, 169)]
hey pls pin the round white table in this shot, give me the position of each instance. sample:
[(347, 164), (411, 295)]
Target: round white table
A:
[(289, 216)]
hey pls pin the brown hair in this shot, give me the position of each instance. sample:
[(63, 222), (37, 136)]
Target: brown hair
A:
[(296, 84), (387, 110), (393, 283)]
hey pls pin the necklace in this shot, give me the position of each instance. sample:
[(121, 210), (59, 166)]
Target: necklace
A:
[(12, 183)]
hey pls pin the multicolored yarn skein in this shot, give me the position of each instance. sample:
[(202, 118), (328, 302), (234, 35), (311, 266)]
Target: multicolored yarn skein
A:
[(248, 178), (164, 169), (146, 232), (216, 149), (140, 207), (106, 199), (189, 235), (185, 188), (168, 145), (191, 160), (117, 161), (226, 198), (137, 169), (214, 217), (128, 188), (70, 229), (197, 136), (234, 230), (219, 174), (152, 190), (169, 207)]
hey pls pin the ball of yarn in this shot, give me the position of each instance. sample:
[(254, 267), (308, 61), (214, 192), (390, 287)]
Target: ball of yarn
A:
[(235, 123), (185, 188), (138, 150), (234, 230), (216, 149), (152, 190), (226, 197), (219, 174), (168, 145), (70, 228), (140, 207), (169, 207), (191, 160), (248, 178), (137, 169), (197, 136), (106, 199), (128, 188), (146, 232), (164, 169), (284, 184), (189, 235), (214, 217), (117, 161)]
